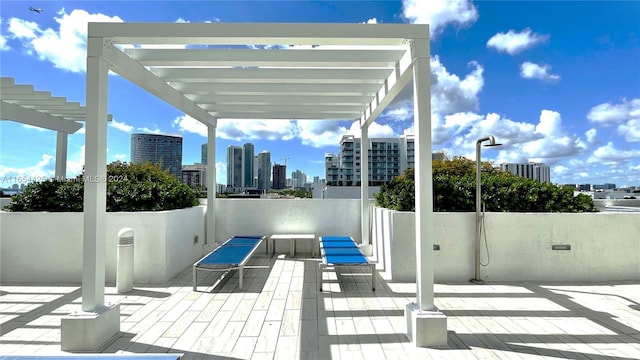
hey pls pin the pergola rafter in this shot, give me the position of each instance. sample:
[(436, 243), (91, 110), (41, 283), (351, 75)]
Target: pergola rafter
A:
[(25, 105)]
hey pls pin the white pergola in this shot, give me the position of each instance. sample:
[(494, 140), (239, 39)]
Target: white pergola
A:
[(21, 103), (264, 71)]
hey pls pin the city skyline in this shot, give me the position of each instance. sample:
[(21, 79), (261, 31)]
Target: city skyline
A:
[(553, 89)]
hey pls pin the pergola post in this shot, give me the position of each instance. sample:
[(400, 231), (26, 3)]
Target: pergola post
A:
[(364, 187), (210, 221), (61, 155), (426, 326), (97, 323)]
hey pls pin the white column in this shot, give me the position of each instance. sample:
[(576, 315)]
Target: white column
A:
[(211, 185), (423, 176), (364, 182), (95, 186), (426, 326), (61, 155)]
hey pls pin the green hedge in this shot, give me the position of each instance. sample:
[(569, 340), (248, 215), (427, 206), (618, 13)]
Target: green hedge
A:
[(130, 187), (454, 188)]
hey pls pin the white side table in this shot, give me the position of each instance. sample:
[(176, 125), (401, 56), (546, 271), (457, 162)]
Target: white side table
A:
[(292, 242)]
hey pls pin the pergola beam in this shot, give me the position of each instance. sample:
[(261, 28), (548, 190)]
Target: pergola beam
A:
[(394, 83), (270, 75), (258, 33), (284, 115), (345, 100), (139, 75), (291, 57), (282, 89), (292, 107), (32, 117)]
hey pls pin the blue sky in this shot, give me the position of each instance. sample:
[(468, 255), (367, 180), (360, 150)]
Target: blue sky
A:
[(555, 82)]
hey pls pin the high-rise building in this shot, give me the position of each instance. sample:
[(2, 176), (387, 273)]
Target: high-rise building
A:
[(388, 157), (195, 175), (279, 176), (264, 170), (534, 171), (298, 179), (203, 154), (234, 166), (248, 153), (162, 150)]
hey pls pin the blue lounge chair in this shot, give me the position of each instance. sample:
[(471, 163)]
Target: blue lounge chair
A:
[(233, 254), (342, 251)]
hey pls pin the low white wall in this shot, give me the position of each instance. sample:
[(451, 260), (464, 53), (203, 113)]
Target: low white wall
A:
[(604, 246), (280, 216), (47, 247)]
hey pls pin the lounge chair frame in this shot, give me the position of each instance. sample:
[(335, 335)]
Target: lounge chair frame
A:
[(324, 264), (225, 267)]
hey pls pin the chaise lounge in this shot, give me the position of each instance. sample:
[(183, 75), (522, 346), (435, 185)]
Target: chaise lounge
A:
[(342, 251), (233, 254)]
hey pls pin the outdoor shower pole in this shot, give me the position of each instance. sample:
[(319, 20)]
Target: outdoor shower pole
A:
[(492, 142)]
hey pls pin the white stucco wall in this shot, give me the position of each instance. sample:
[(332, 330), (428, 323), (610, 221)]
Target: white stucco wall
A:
[(604, 246), (47, 247), (281, 216)]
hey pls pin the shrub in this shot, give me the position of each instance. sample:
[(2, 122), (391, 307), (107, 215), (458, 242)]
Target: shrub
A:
[(130, 187), (454, 187)]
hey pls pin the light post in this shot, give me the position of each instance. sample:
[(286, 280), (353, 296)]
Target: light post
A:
[(492, 142)]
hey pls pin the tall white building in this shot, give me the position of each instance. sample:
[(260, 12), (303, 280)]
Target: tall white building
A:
[(298, 179), (388, 157), (534, 171)]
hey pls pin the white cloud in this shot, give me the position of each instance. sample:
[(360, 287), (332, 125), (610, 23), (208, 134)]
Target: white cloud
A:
[(31, 127), (3, 44), (560, 170), (221, 173), (522, 141), (75, 163), (150, 131), (439, 13), (241, 129), (3, 41), (630, 130), (22, 29), (626, 114), (371, 21), (66, 47), (515, 42), (529, 70), (120, 156), (188, 124), (609, 153), (42, 170), (609, 113), (375, 130), (451, 95), (591, 135), (553, 143), (320, 133), (120, 126)]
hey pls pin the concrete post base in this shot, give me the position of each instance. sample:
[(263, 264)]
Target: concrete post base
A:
[(425, 328), (90, 331)]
